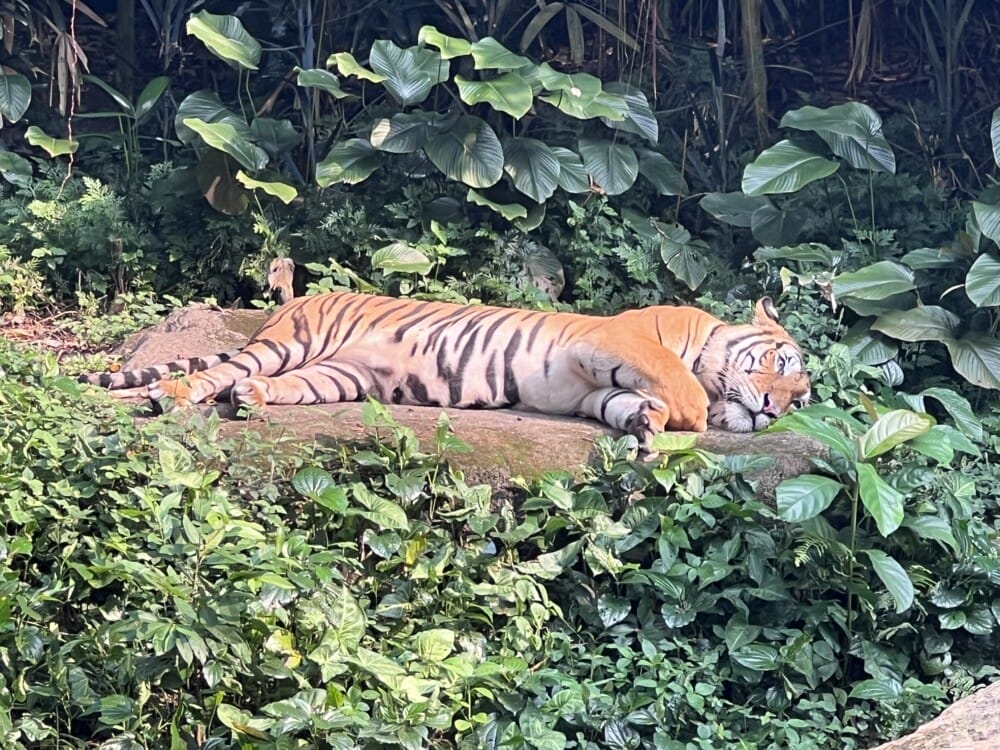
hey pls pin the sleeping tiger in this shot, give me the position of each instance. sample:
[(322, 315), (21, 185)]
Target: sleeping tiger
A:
[(642, 371)]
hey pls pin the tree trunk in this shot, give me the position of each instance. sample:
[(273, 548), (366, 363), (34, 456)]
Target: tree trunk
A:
[(753, 59)]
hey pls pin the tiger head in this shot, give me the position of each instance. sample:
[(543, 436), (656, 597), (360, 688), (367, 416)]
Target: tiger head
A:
[(753, 373)]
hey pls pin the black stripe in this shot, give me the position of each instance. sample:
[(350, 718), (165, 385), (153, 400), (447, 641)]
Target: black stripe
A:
[(534, 332), (510, 390)]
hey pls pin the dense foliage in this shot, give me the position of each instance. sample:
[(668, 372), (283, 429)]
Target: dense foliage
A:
[(165, 586)]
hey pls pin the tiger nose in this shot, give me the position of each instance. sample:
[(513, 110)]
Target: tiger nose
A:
[(770, 408)]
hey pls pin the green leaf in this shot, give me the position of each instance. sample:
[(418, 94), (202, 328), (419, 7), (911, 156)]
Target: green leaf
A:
[(867, 347), (852, 130), (225, 38), (400, 257), (572, 174), (874, 282), (509, 93), (882, 501), (775, 227), (311, 481), (347, 66), (52, 146), (574, 103), (809, 422), (285, 193), (988, 218), (801, 498), (893, 577), (665, 178), (509, 211), (671, 442), (532, 167), (735, 209), (406, 132), (891, 429), (224, 137), (469, 152), (15, 169), (757, 656), (206, 106), (488, 53), (883, 689), (684, 257), (785, 168), (926, 258), (613, 166), (323, 80), (15, 96), (449, 46), (639, 117), (150, 95), (408, 74), (977, 359), (982, 283), (995, 135), (434, 645), (612, 609), (351, 161), (959, 408), (929, 323)]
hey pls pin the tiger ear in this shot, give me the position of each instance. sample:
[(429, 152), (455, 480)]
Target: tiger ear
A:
[(765, 314)]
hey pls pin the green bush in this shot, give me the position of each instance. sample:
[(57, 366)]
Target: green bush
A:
[(163, 586)]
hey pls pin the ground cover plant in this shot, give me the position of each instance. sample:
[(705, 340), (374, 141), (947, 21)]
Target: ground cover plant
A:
[(163, 587)]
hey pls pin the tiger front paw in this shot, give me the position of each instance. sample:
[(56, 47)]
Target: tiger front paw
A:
[(687, 405), (648, 420)]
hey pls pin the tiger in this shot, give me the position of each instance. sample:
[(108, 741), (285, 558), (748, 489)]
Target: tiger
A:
[(642, 371)]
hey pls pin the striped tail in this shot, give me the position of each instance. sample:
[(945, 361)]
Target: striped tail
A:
[(147, 375)]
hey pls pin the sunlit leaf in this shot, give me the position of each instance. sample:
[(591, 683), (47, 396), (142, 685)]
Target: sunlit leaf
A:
[(285, 193), (347, 66), (509, 93), (408, 74), (874, 282), (321, 79), (224, 137), (406, 132), (226, 38), (400, 257), (351, 161), (785, 168), (449, 46), (488, 53), (891, 429), (852, 130), (982, 283), (883, 502), (804, 497), (52, 146)]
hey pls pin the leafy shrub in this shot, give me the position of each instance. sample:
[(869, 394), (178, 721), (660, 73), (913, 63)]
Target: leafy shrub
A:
[(164, 586)]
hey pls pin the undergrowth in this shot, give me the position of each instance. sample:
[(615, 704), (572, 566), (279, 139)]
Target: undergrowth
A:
[(165, 586)]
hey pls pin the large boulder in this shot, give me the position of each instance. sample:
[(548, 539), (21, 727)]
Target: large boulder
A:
[(505, 443), (973, 723)]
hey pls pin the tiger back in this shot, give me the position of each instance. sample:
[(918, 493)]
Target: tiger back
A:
[(642, 371)]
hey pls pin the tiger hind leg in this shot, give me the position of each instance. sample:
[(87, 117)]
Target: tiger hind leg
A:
[(323, 383)]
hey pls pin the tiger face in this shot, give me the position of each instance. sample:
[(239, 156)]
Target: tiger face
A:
[(754, 374)]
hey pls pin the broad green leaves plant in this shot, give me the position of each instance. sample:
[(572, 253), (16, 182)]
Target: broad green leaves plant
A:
[(466, 148)]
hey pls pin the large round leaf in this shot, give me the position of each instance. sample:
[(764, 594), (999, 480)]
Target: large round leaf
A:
[(285, 193), (508, 93), (785, 168), (206, 106), (469, 152), (400, 257), (572, 175), (323, 80), (852, 130), (532, 167), (874, 282), (928, 323), (15, 169), (661, 173), (489, 53), (15, 96), (350, 162), (977, 359), (988, 217), (225, 38), (982, 283), (575, 103), (683, 256), (735, 209), (405, 132), (224, 137), (409, 74), (639, 119), (449, 46), (613, 166), (348, 66)]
